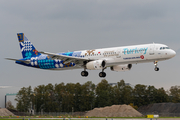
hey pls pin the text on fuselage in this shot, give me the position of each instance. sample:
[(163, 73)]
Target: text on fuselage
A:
[(135, 51)]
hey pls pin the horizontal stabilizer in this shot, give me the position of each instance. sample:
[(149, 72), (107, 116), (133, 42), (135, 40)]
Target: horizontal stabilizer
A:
[(24, 61)]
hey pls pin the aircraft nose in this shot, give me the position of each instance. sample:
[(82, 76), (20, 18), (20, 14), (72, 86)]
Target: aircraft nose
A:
[(173, 53)]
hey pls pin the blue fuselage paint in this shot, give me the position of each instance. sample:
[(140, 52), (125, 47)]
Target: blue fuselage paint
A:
[(44, 62)]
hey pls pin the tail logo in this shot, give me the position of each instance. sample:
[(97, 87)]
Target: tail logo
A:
[(20, 37), (26, 46), (142, 56), (28, 54)]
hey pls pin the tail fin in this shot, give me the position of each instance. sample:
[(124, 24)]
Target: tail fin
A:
[(27, 48)]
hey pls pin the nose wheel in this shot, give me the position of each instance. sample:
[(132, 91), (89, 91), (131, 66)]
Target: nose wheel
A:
[(156, 69), (156, 66)]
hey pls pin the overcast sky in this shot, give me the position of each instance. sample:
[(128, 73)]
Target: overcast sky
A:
[(68, 25)]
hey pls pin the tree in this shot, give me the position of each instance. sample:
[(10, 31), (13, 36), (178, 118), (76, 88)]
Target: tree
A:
[(127, 95), (132, 105), (39, 98), (175, 93), (59, 90), (50, 97), (84, 97), (71, 97), (9, 105), (140, 95), (87, 96), (103, 91), (123, 93), (161, 96), (118, 92), (24, 98), (151, 94)]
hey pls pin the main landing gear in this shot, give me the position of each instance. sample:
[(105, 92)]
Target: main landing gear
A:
[(156, 68), (84, 73), (101, 74)]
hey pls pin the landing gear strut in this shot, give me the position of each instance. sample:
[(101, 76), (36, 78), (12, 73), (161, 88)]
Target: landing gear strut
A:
[(156, 66), (84, 73)]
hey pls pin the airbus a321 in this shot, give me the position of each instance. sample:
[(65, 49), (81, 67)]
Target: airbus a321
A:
[(117, 58)]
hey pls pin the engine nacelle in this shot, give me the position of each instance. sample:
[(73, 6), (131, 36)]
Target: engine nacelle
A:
[(96, 65), (125, 67)]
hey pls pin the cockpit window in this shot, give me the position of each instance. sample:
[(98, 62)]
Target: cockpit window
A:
[(162, 48)]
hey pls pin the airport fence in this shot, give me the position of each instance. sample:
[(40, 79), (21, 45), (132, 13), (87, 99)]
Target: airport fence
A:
[(60, 113), (49, 113), (69, 114)]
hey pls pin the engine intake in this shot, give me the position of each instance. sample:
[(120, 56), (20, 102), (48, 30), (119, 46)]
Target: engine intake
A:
[(96, 65), (125, 67)]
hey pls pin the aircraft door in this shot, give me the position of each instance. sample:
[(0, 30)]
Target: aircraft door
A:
[(118, 53), (151, 50)]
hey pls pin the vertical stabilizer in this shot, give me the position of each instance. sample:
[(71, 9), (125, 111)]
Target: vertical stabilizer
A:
[(27, 48)]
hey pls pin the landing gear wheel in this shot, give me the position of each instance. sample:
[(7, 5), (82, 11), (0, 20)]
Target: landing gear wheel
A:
[(156, 69), (156, 66), (84, 73), (102, 74)]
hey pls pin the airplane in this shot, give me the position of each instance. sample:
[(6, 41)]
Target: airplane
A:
[(117, 58)]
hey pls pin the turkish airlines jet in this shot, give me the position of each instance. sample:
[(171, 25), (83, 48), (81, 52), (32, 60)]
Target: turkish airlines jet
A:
[(117, 58)]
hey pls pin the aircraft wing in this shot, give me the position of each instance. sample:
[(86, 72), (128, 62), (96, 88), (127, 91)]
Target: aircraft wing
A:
[(67, 59)]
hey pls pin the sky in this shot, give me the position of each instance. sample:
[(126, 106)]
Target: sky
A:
[(69, 25)]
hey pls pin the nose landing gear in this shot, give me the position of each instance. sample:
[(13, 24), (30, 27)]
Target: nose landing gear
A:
[(156, 66)]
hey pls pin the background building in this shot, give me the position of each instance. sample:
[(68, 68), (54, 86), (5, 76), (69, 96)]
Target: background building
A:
[(8, 90)]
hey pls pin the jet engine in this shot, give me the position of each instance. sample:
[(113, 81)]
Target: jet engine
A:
[(96, 65), (125, 67)]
